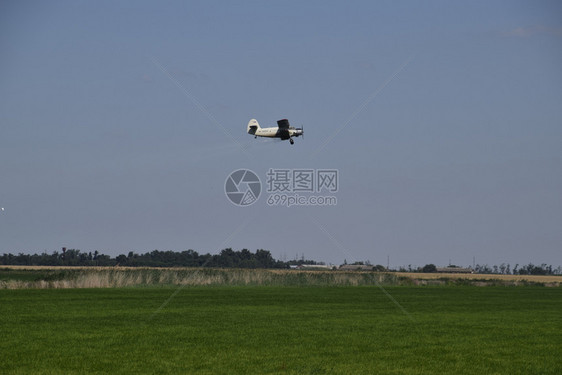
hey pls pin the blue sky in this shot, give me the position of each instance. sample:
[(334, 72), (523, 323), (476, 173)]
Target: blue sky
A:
[(120, 122)]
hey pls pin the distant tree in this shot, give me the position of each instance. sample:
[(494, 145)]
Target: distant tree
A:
[(482, 269), (428, 268), (121, 260), (531, 269), (265, 260), (105, 260)]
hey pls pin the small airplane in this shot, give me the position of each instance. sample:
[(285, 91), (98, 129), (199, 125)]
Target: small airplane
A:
[(283, 130)]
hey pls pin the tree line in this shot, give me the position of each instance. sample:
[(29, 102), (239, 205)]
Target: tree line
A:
[(502, 269), (227, 258), (529, 269)]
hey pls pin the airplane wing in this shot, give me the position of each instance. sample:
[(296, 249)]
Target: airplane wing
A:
[(283, 124)]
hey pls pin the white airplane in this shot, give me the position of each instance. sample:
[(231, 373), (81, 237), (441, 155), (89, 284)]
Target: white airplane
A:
[(283, 130)]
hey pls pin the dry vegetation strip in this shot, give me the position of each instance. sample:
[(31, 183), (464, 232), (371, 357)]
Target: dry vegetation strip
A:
[(412, 275), (37, 277), (476, 276)]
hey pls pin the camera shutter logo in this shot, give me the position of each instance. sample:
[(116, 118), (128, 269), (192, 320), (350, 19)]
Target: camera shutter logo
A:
[(242, 187)]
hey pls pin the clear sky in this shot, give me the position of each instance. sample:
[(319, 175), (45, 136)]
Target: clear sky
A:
[(121, 121)]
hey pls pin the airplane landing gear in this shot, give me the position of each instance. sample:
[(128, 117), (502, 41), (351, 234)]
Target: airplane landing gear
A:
[(291, 140)]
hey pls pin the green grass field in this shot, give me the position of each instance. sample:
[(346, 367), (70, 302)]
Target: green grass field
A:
[(285, 330)]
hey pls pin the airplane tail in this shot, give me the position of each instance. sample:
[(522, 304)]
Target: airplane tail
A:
[(253, 126)]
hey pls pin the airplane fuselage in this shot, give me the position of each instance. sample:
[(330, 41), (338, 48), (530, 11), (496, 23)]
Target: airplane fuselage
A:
[(275, 132), (283, 130)]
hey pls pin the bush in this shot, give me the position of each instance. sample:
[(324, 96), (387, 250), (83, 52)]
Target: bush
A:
[(429, 268)]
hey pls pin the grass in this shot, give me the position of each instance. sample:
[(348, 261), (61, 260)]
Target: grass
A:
[(285, 330), (25, 276)]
